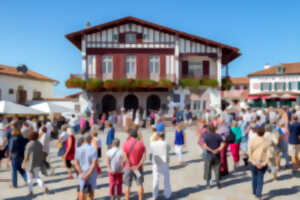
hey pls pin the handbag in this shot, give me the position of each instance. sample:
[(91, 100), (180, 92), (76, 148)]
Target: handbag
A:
[(230, 138)]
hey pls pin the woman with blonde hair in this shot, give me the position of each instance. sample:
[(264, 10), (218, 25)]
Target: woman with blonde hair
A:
[(16, 150), (70, 151)]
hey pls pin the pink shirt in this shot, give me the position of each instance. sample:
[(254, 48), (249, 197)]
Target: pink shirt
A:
[(137, 152), (82, 122)]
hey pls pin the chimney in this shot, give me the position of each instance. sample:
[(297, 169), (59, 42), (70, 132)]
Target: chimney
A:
[(267, 66), (88, 25)]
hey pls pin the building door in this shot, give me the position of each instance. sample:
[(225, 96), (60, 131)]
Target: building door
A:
[(153, 102), (108, 103), (131, 102)]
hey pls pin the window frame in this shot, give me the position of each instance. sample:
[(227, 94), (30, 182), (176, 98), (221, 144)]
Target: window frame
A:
[(130, 72), (194, 72), (130, 34), (155, 63), (104, 61)]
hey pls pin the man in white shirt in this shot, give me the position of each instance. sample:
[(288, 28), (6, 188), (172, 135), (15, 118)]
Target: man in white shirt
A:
[(160, 160)]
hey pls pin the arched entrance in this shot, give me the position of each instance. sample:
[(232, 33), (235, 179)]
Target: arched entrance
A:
[(108, 103), (131, 102), (153, 102)]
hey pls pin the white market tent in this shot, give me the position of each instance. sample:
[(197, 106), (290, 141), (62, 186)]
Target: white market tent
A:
[(49, 107), (10, 108)]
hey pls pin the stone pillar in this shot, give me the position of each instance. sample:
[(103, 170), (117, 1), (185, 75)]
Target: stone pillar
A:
[(177, 69), (219, 67), (84, 57)]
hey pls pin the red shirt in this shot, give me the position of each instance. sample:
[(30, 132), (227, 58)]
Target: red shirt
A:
[(71, 154), (137, 152)]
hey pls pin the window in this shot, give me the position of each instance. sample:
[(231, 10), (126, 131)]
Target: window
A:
[(270, 86), (107, 64), (204, 105), (264, 86), (197, 105), (280, 70), (154, 64), (195, 68), (11, 91), (130, 64), (130, 38), (36, 95)]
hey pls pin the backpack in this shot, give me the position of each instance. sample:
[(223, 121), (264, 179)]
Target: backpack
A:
[(230, 138)]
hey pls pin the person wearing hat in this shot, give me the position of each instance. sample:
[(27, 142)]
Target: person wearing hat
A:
[(85, 164), (134, 152)]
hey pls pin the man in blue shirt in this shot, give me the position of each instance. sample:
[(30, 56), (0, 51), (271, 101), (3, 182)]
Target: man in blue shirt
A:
[(85, 164), (160, 126), (294, 141)]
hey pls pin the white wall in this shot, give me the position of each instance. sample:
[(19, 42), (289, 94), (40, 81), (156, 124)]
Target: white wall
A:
[(255, 82), (10, 82)]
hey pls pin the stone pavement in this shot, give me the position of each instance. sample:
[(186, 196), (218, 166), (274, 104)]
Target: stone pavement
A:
[(186, 181)]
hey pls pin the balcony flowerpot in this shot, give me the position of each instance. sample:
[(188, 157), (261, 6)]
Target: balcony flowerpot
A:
[(209, 82), (75, 82), (109, 84), (94, 84), (189, 82), (163, 83)]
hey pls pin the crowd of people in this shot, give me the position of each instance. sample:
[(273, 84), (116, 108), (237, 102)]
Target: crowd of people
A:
[(258, 137)]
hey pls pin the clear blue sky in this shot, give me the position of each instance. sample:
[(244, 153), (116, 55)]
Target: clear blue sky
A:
[(32, 31)]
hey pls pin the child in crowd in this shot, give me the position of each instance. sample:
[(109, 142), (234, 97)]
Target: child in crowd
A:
[(110, 135)]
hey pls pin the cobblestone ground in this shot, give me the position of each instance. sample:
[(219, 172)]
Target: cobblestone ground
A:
[(187, 182)]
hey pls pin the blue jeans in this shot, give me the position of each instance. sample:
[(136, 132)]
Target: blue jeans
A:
[(257, 180), (285, 153), (17, 166)]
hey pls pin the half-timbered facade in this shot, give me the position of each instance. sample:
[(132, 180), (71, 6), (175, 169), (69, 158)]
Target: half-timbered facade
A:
[(131, 48)]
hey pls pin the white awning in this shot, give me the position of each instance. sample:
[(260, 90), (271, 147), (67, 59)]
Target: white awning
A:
[(7, 107)]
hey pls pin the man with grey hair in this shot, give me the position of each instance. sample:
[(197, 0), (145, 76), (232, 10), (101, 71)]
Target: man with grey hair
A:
[(85, 164), (114, 162)]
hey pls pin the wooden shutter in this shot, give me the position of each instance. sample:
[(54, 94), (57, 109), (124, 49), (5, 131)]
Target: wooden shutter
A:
[(290, 85), (261, 86), (139, 38), (99, 66), (276, 86), (298, 85), (122, 38), (185, 68), (270, 86), (206, 68), (284, 86), (162, 66)]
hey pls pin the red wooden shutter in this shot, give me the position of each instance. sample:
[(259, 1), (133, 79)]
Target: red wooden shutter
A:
[(121, 67), (146, 73), (122, 37), (139, 66), (163, 66), (185, 68), (206, 68), (99, 66), (116, 70), (139, 38)]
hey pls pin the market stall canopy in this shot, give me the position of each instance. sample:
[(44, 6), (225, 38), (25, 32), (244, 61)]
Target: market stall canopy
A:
[(10, 108), (49, 107), (288, 96), (253, 97)]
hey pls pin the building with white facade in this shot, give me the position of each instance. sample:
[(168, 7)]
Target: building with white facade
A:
[(275, 86), (22, 87)]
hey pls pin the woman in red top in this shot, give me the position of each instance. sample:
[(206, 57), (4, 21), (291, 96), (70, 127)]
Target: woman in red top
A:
[(70, 151)]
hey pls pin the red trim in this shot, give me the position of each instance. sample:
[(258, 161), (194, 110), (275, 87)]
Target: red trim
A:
[(94, 51), (211, 55)]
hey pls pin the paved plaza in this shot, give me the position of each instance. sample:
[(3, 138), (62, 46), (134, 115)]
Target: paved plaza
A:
[(186, 181)]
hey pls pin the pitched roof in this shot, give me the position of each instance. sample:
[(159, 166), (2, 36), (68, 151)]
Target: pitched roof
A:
[(12, 71), (290, 68), (239, 80), (229, 53)]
